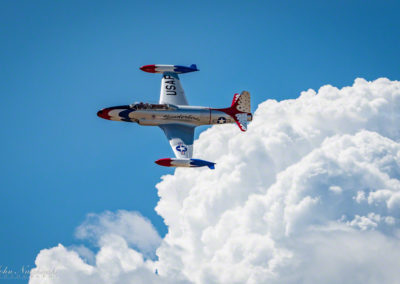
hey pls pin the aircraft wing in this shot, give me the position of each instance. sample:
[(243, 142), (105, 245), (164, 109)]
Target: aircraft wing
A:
[(180, 138), (171, 90)]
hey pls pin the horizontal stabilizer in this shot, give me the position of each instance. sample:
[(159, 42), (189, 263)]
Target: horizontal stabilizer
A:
[(241, 102), (240, 110)]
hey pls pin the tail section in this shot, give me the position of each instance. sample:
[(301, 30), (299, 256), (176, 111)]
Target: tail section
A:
[(242, 102), (241, 120), (240, 110)]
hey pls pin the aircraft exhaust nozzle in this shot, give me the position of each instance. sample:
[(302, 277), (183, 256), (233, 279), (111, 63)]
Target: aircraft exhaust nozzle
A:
[(184, 163)]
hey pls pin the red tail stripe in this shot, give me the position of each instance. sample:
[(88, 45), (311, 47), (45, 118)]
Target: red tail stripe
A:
[(234, 100)]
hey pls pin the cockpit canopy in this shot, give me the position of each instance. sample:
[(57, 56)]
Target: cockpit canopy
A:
[(147, 106)]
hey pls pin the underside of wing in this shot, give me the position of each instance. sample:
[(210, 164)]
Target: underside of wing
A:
[(180, 138), (171, 90)]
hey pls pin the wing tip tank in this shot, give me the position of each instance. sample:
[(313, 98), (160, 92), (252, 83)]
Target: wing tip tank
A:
[(185, 163), (161, 68)]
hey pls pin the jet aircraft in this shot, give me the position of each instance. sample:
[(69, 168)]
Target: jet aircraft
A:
[(176, 118)]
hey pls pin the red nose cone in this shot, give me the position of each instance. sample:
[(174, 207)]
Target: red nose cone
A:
[(164, 162), (148, 68), (103, 114)]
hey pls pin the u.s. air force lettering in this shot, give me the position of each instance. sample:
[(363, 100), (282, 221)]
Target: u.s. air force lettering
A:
[(170, 88)]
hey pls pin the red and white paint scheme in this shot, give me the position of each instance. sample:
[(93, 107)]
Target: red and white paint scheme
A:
[(187, 163), (176, 118), (159, 68)]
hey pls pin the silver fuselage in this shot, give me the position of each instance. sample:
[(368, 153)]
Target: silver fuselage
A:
[(187, 115)]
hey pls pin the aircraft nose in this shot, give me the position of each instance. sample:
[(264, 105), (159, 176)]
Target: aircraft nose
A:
[(103, 113)]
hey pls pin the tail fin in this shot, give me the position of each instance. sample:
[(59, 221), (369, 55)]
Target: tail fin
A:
[(240, 109), (242, 102)]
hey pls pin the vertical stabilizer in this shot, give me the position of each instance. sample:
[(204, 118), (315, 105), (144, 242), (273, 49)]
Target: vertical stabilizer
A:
[(242, 102), (240, 109)]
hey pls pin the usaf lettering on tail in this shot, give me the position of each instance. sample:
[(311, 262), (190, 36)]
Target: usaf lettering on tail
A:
[(178, 120), (169, 85)]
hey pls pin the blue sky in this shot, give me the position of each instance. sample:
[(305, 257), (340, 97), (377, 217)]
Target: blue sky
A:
[(63, 61)]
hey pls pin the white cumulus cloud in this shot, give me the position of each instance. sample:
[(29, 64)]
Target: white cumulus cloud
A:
[(131, 226), (309, 194), (126, 240)]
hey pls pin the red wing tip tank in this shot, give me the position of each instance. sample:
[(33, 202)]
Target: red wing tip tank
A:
[(176, 118), (187, 163)]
